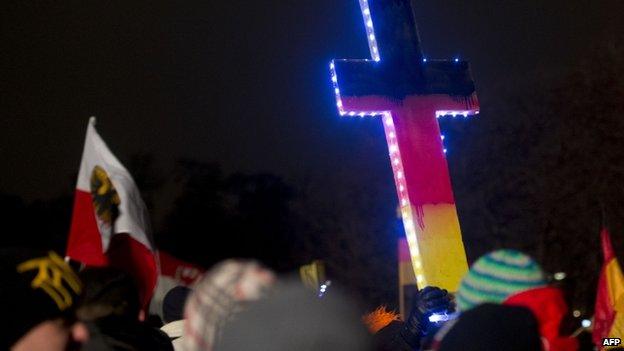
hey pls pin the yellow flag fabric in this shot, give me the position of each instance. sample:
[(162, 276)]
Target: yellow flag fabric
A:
[(615, 283)]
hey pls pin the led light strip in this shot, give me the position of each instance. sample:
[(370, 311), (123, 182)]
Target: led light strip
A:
[(401, 186), (370, 30), (455, 113), (341, 110)]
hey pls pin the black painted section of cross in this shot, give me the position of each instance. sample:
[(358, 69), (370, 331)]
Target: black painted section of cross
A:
[(401, 71)]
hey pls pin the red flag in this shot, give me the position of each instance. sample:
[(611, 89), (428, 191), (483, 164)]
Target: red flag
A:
[(609, 309), (110, 225)]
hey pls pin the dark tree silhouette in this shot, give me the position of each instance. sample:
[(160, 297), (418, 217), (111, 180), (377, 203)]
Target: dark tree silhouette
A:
[(535, 170), (217, 217), (40, 224), (354, 229)]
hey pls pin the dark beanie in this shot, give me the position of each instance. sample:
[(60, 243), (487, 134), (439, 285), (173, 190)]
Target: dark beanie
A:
[(173, 303), (36, 286), (493, 327)]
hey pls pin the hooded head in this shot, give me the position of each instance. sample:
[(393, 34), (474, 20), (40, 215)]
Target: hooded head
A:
[(173, 303), (293, 318), (493, 327), (496, 276)]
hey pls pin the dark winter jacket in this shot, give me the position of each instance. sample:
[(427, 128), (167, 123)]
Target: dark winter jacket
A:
[(115, 333), (390, 338)]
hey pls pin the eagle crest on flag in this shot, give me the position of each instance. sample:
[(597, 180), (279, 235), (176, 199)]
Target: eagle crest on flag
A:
[(105, 197)]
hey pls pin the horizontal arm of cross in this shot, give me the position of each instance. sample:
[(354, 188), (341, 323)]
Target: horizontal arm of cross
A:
[(366, 77), (447, 82)]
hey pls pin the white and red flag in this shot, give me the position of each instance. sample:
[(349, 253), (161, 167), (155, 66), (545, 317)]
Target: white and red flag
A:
[(110, 225)]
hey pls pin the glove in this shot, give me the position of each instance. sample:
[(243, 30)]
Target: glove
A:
[(426, 302)]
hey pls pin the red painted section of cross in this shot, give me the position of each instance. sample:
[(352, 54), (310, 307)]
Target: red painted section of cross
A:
[(409, 93)]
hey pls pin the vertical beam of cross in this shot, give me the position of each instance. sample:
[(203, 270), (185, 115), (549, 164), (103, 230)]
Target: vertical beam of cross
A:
[(409, 93)]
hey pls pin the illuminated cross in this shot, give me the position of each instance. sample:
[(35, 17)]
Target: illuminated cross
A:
[(409, 92)]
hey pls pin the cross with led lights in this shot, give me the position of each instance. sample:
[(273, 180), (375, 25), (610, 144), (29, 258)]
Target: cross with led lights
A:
[(410, 92)]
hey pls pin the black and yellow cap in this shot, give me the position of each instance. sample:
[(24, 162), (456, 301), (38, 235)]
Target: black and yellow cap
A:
[(36, 286)]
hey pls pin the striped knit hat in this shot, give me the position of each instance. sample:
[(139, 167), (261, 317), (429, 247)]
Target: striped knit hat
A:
[(222, 293), (496, 276)]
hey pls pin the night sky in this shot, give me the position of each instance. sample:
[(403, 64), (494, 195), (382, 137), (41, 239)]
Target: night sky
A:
[(242, 83)]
